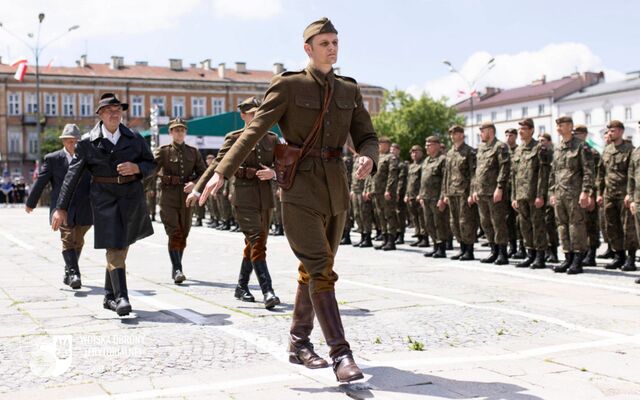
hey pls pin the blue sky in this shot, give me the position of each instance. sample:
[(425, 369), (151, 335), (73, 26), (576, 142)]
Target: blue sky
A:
[(395, 44)]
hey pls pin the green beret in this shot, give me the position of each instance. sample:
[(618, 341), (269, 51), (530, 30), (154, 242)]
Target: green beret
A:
[(456, 128), (432, 139), (580, 129), (323, 25), (487, 125), (416, 147), (564, 119)]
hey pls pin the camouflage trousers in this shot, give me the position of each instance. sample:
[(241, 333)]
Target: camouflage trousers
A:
[(493, 219), (550, 224), (603, 224), (356, 210), (367, 215), (386, 212), (401, 211), (532, 225), (513, 221), (593, 227), (621, 228), (435, 220), (463, 219), (417, 216), (571, 223)]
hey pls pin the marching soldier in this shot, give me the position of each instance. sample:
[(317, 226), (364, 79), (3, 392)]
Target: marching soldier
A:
[(633, 190), (314, 206), (411, 197), (571, 179), (179, 167), (529, 185), (401, 209), (384, 190), (489, 192), (432, 174), (460, 168), (612, 191)]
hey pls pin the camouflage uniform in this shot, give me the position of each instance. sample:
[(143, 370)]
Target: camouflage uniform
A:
[(432, 174), (413, 206), (401, 210), (386, 180)]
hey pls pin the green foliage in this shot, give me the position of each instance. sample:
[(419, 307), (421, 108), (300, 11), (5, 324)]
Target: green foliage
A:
[(415, 345), (49, 141), (408, 121)]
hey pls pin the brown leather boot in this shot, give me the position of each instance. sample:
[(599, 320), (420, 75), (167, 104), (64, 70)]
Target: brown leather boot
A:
[(300, 348), (326, 308)]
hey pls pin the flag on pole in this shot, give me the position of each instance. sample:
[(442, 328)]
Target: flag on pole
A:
[(474, 93), (21, 70), (51, 63)]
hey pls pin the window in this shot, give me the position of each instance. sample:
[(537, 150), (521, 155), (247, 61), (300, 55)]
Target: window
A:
[(158, 101), (30, 103), (542, 129), (217, 105), (628, 115), (68, 105), (15, 142), (34, 145), (607, 116), (50, 104), (13, 104), (137, 106), (525, 111), (197, 106), (86, 105), (540, 109), (508, 112), (478, 118), (587, 118), (177, 104), (494, 115)]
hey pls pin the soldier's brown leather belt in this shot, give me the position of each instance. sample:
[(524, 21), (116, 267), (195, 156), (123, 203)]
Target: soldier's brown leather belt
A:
[(246, 173), (173, 180), (326, 153), (119, 180)]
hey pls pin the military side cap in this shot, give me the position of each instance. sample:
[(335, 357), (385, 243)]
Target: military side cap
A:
[(564, 119), (456, 128), (70, 131), (615, 124), (512, 131), (433, 139), (384, 139), (177, 122), (416, 147), (580, 129), (110, 99), (486, 125), (528, 122), (323, 25), (250, 105)]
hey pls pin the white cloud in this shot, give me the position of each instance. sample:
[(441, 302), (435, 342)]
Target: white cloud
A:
[(512, 70), (247, 9)]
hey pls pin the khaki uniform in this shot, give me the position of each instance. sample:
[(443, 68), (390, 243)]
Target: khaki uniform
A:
[(386, 180), (178, 164), (413, 190), (460, 168), (432, 175), (571, 174), (613, 188), (492, 171), (530, 180)]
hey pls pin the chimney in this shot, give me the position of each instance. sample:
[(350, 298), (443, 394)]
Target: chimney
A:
[(192, 65), (206, 64), (116, 62), (241, 67), (490, 91), (541, 81), (175, 64), (221, 70), (142, 63), (278, 68), (82, 62)]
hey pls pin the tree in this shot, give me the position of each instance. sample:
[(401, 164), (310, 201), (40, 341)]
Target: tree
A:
[(49, 141), (408, 121)]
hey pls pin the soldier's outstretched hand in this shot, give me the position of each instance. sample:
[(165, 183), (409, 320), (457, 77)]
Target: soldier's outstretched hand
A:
[(365, 166), (59, 218), (211, 188)]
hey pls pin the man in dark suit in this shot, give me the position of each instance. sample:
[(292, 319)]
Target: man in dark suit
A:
[(80, 216)]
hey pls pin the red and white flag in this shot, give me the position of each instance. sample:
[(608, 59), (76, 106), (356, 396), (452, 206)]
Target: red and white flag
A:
[(51, 63), (21, 70)]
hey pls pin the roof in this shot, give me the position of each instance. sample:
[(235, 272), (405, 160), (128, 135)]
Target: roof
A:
[(606, 88), (213, 125), (553, 89)]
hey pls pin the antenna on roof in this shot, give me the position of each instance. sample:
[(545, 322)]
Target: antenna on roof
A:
[(86, 48)]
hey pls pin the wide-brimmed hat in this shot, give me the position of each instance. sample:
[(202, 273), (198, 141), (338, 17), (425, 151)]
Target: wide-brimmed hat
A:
[(70, 131), (110, 99)]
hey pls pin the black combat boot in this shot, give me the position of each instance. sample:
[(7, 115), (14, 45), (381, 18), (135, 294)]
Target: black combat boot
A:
[(176, 267), (590, 258), (400, 238), (425, 242), (242, 288), (391, 242), (618, 260), (198, 222), (264, 279), (346, 237), (449, 244), (416, 242), (432, 252), (357, 244), (552, 255), (521, 253), (441, 250), (385, 239), (457, 256), (468, 253), (379, 236), (367, 241), (576, 264), (493, 256), (531, 256), (119, 282), (630, 263), (513, 248), (564, 266), (607, 254), (503, 257), (109, 301), (539, 261), (72, 270), (279, 230)]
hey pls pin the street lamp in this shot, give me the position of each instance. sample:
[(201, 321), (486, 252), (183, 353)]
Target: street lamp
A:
[(37, 51), (471, 85)]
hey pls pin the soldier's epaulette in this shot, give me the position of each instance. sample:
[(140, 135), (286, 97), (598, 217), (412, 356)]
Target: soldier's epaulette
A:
[(347, 78), (232, 133), (165, 145), (288, 73)]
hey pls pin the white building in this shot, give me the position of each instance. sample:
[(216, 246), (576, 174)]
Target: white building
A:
[(536, 101), (597, 105)]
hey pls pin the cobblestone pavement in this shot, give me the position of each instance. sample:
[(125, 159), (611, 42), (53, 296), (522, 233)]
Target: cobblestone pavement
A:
[(419, 327)]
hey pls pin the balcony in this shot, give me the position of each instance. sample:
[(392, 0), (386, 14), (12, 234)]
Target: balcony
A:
[(31, 119)]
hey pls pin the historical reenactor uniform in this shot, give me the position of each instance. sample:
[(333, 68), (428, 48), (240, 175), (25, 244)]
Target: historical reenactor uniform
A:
[(492, 172), (621, 229), (571, 177), (118, 160), (432, 174), (328, 107), (79, 214), (416, 213), (383, 191), (529, 185), (179, 166), (253, 202)]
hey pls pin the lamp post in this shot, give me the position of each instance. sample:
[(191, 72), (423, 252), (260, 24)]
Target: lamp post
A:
[(471, 85)]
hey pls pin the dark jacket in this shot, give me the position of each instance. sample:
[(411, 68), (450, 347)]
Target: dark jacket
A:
[(53, 169), (119, 210)]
